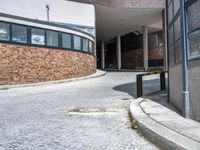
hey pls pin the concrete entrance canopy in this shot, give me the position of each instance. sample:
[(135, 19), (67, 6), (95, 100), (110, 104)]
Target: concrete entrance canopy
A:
[(111, 22), (123, 16), (117, 18), (127, 3)]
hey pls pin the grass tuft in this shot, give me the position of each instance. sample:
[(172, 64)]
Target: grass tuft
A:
[(133, 124)]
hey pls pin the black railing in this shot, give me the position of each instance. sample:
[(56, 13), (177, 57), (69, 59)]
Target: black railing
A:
[(140, 82)]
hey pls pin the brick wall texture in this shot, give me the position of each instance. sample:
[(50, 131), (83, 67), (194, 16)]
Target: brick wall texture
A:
[(134, 59), (25, 64)]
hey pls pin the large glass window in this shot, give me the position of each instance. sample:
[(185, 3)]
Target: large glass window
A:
[(177, 29), (171, 35), (85, 44), (37, 36), (194, 29), (194, 15), (77, 42), (170, 13), (66, 41), (178, 53), (194, 42), (171, 56), (176, 6), (19, 33), (4, 31), (52, 38)]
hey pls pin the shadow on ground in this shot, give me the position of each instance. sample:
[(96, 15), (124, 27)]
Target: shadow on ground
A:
[(149, 86)]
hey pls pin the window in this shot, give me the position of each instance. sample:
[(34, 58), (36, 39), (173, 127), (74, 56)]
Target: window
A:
[(85, 44), (178, 53), (177, 28), (194, 29), (77, 42), (171, 56), (194, 43), (37, 36), (176, 6), (90, 47), (4, 31), (66, 41), (194, 15), (52, 38), (170, 13), (171, 35), (19, 33)]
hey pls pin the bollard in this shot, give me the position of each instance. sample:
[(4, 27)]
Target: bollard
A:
[(139, 85), (162, 81)]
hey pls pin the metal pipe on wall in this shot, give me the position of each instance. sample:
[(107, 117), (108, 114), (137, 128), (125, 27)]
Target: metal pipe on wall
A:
[(185, 61)]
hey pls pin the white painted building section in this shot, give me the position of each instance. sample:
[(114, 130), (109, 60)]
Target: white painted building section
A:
[(59, 11)]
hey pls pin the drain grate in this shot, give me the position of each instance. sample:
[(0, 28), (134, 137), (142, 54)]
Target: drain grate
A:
[(88, 110), (95, 110), (125, 99)]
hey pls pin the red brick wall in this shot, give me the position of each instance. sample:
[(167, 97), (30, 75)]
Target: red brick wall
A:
[(156, 53), (134, 59), (25, 64)]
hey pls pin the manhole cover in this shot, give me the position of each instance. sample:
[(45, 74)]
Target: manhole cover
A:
[(95, 110), (88, 110), (125, 99)]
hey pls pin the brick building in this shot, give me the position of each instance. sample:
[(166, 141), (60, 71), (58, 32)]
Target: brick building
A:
[(53, 40)]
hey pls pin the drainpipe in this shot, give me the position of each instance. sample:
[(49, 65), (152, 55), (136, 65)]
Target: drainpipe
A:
[(184, 61), (166, 50)]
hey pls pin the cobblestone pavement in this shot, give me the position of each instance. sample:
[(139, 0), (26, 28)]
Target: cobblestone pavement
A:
[(87, 115)]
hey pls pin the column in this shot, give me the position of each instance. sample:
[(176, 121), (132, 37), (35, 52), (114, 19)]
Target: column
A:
[(145, 47), (102, 55), (119, 52), (165, 61)]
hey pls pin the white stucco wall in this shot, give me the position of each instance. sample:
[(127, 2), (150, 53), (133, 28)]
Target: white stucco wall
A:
[(60, 10)]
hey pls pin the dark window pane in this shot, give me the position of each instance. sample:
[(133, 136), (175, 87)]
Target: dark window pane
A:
[(168, 1), (171, 56), (38, 36), (85, 45), (194, 16), (4, 31), (177, 29), (176, 6), (170, 13), (178, 52), (171, 36), (52, 38), (77, 42), (19, 33), (194, 41), (66, 41), (90, 47)]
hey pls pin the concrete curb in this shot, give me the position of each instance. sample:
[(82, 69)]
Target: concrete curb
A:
[(98, 73), (157, 133)]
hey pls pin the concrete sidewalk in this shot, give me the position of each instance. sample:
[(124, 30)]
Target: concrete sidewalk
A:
[(163, 125), (98, 73)]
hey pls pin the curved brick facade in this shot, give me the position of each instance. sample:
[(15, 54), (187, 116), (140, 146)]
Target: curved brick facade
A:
[(28, 64)]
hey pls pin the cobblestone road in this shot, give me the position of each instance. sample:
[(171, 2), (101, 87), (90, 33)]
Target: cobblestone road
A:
[(87, 115)]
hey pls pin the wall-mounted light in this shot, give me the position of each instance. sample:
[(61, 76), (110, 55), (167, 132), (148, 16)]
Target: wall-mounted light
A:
[(47, 9)]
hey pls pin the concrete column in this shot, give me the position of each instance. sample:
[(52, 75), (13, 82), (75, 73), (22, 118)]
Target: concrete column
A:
[(119, 52), (102, 55), (145, 47), (165, 37)]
